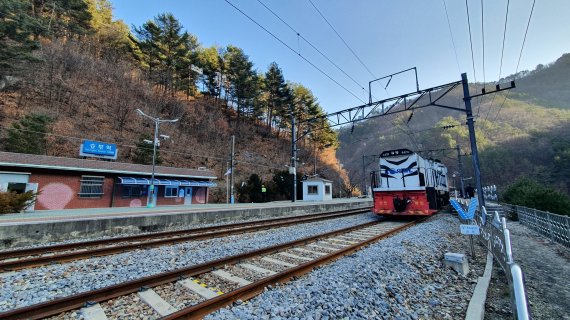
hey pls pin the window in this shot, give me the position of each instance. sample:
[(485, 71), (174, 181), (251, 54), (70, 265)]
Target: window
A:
[(133, 191), (170, 192), (313, 190), (16, 187), (91, 187), (327, 189)]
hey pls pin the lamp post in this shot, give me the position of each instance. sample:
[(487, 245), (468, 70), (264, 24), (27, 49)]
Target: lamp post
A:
[(150, 199)]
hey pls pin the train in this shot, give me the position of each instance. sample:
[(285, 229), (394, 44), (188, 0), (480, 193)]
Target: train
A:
[(406, 184)]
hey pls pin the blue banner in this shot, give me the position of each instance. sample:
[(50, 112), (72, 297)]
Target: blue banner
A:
[(97, 148)]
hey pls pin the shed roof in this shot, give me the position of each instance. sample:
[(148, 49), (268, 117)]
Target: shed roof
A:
[(317, 179), (72, 164)]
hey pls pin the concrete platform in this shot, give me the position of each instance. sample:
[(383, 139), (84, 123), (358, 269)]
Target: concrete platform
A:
[(57, 225)]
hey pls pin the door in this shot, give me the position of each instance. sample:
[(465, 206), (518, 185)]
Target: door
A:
[(188, 196)]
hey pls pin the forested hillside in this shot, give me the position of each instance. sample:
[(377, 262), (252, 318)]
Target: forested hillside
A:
[(516, 136), (69, 71)]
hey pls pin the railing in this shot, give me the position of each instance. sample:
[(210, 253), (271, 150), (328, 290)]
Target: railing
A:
[(553, 226), (495, 236)]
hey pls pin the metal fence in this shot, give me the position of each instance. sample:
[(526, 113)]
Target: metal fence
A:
[(495, 236), (553, 226)]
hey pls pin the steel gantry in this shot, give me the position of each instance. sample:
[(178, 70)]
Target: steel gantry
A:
[(402, 103)]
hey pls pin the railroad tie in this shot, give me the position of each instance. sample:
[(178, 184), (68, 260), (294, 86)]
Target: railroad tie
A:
[(310, 251), (322, 247), (230, 277), (365, 234), (279, 262), (337, 239), (199, 289), (334, 243), (294, 256), (93, 312), (353, 237), (255, 268), (156, 302)]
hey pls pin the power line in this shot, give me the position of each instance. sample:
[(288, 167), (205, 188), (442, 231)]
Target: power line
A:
[(524, 40), (471, 41), (520, 55), (341, 38), (299, 35), (298, 53), (501, 65), (504, 36), (472, 54), (483, 36), (451, 33)]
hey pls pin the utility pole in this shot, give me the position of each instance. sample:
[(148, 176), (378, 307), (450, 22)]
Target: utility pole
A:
[(460, 170), (232, 170), (293, 157), (364, 191), (471, 125)]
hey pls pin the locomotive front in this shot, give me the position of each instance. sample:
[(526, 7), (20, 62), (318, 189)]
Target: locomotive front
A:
[(407, 184)]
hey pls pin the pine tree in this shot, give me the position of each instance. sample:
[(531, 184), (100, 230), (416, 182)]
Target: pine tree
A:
[(16, 34), (276, 89), (29, 135), (144, 150)]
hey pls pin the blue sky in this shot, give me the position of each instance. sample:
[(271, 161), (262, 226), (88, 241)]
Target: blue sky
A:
[(388, 36)]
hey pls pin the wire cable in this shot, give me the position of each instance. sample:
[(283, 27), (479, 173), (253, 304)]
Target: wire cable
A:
[(298, 53), (451, 34), (483, 36), (341, 38), (299, 35), (504, 37), (501, 64), (472, 55), (520, 56)]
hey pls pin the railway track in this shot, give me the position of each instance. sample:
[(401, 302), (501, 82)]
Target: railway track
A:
[(233, 278), (37, 256)]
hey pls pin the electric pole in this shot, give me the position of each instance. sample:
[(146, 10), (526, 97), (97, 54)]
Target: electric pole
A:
[(293, 157), (232, 170), (471, 126), (460, 170), (364, 189)]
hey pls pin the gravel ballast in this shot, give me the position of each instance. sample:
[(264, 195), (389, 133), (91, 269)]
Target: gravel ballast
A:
[(402, 277), (36, 285)]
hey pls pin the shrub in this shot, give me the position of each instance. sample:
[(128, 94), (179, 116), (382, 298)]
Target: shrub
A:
[(528, 193), (12, 202)]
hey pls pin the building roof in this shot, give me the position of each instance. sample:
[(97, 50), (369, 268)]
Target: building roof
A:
[(317, 179), (71, 164)]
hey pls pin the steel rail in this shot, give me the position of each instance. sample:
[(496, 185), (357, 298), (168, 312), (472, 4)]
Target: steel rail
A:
[(56, 306), (200, 310), (81, 254), (68, 246)]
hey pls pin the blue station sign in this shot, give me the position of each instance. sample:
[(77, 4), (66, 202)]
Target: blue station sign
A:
[(98, 149)]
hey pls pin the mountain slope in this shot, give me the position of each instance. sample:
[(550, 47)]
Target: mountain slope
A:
[(515, 137)]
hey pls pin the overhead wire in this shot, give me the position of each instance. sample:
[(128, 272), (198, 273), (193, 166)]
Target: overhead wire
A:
[(472, 53), (451, 34), (299, 35), (295, 51), (346, 44), (520, 56), (501, 62), (483, 38), (341, 38)]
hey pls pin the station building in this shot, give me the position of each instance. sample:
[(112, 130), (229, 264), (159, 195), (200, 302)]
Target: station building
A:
[(69, 183)]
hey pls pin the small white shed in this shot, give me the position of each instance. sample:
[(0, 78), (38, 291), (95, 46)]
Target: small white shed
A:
[(317, 189)]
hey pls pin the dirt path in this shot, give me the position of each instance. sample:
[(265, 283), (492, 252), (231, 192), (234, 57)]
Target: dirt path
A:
[(546, 266)]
